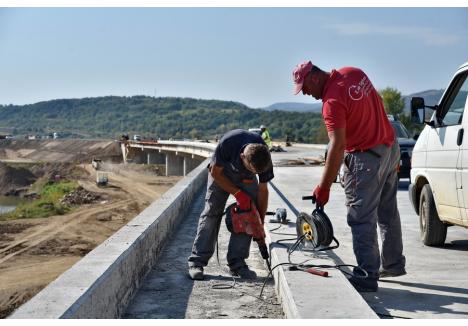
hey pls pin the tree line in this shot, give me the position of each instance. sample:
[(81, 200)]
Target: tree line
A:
[(154, 117), (170, 117)]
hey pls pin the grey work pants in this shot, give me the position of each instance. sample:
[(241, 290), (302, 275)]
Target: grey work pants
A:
[(210, 219), (371, 185)]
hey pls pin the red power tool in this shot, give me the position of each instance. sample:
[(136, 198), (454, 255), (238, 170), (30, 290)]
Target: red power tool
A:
[(248, 222)]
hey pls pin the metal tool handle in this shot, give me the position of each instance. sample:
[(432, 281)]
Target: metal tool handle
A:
[(317, 272), (314, 200)]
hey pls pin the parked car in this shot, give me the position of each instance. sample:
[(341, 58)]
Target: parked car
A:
[(406, 148), (439, 172)]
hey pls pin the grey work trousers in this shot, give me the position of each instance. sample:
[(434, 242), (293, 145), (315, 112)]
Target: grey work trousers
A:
[(209, 223), (371, 184)]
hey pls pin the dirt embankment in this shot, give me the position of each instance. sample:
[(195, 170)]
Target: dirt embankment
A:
[(12, 179), (60, 150), (33, 252)]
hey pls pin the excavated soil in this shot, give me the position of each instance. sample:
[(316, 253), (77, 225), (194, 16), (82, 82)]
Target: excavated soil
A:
[(34, 252), (59, 150), (12, 179)]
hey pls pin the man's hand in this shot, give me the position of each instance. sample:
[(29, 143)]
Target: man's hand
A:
[(243, 200), (321, 196)]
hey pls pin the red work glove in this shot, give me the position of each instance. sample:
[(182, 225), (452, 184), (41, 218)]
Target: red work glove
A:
[(321, 196), (243, 200)]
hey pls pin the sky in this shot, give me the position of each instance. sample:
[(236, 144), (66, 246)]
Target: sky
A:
[(238, 54)]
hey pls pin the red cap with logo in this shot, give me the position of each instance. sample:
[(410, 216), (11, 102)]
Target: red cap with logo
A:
[(299, 74)]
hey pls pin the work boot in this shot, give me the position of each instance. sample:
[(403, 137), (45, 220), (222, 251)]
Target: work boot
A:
[(363, 285), (196, 273), (383, 273), (244, 272)]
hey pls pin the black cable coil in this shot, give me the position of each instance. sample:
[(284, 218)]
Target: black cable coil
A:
[(316, 230)]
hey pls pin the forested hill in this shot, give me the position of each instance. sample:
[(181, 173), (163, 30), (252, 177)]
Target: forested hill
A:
[(165, 117)]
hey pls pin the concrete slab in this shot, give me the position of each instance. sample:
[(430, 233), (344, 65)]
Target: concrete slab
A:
[(304, 295), (167, 291), (435, 286)]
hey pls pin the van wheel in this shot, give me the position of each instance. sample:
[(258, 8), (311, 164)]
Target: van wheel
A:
[(433, 231)]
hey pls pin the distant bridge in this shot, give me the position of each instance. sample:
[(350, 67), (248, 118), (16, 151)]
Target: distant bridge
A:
[(179, 157)]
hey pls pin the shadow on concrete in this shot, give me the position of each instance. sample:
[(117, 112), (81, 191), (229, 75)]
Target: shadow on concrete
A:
[(403, 185), (434, 287), (459, 245), (410, 300)]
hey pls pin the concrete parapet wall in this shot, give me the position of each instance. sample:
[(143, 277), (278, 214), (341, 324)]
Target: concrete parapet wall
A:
[(102, 283)]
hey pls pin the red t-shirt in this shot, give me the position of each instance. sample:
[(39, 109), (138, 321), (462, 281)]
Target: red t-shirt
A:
[(351, 102)]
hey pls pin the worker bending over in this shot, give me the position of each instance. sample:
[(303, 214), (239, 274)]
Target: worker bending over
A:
[(238, 157)]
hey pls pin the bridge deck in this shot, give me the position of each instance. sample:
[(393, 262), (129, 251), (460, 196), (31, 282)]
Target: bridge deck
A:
[(167, 292), (435, 286)]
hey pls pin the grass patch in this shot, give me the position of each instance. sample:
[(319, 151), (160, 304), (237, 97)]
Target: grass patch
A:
[(47, 205)]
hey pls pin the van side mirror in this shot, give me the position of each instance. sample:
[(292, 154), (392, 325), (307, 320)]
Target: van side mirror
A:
[(416, 136), (417, 110)]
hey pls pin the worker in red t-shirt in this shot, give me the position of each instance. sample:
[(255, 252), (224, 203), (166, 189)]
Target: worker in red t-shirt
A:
[(362, 137)]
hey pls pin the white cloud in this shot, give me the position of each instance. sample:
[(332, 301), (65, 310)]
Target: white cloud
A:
[(427, 35)]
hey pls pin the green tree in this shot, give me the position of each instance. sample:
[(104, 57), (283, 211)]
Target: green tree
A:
[(393, 101), (321, 136)]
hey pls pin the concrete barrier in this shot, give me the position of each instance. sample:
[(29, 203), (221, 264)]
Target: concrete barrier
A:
[(102, 283)]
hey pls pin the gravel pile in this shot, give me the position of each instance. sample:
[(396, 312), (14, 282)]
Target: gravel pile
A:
[(80, 196)]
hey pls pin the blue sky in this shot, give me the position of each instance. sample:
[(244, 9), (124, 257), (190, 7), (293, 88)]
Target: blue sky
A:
[(238, 54)]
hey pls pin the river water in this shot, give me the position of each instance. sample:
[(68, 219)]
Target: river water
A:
[(9, 203)]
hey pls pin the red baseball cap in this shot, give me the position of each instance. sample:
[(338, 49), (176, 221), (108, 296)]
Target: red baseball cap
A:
[(299, 74)]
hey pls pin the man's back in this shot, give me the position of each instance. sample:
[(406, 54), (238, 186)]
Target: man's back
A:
[(350, 101)]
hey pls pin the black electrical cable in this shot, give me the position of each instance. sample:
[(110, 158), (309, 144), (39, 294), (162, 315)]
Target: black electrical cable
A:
[(300, 266), (274, 229), (325, 237)]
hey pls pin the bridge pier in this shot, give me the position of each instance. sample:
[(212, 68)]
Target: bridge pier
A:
[(174, 164), (155, 157), (190, 163)]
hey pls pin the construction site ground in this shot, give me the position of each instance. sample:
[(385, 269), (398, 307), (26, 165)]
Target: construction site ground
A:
[(434, 287), (33, 252)]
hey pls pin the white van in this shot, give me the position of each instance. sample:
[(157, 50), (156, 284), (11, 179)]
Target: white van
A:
[(439, 169)]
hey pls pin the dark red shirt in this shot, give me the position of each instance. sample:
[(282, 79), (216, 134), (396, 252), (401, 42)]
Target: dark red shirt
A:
[(350, 101)]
